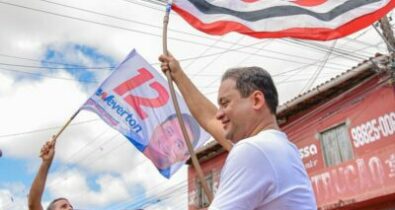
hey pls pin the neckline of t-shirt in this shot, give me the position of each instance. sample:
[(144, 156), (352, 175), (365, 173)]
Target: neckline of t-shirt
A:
[(273, 131)]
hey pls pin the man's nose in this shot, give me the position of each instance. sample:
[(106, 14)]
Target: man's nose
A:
[(220, 114)]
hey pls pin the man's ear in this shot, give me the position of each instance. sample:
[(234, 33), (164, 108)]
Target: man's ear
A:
[(258, 100)]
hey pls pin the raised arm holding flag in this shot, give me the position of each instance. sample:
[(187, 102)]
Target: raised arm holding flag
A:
[(263, 169), (47, 154)]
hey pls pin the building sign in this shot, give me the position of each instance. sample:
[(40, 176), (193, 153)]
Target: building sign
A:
[(361, 177), (373, 130)]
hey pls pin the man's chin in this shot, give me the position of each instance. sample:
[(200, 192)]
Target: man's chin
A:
[(232, 137), (229, 136)]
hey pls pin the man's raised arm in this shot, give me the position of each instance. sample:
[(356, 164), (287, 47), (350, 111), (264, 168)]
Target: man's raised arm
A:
[(37, 188), (201, 108)]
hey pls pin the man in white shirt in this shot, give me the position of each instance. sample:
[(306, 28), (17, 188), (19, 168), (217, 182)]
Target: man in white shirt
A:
[(263, 169)]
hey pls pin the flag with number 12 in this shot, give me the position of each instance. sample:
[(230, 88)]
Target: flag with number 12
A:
[(135, 100)]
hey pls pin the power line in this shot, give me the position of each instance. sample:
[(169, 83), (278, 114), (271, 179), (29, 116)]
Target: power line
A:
[(93, 81), (247, 57), (304, 66), (315, 75), (204, 68), (156, 192), (83, 158), (41, 61), (51, 77), (323, 48), (45, 129), (112, 16), (144, 5), (73, 155), (70, 68), (204, 52)]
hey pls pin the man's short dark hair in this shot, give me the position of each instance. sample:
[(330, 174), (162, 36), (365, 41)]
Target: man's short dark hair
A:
[(249, 79), (191, 123), (51, 205)]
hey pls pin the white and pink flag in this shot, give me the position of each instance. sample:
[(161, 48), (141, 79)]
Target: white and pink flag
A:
[(135, 100)]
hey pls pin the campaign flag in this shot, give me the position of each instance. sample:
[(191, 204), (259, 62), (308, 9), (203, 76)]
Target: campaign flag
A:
[(303, 19), (135, 100)]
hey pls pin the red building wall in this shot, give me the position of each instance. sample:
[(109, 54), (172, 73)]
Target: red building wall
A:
[(369, 114), (368, 180), (212, 166)]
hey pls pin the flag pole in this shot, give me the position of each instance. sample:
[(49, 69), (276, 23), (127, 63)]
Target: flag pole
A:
[(65, 125), (195, 161)]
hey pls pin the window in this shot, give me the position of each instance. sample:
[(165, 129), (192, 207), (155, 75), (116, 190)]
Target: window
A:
[(336, 145), (201, 198)]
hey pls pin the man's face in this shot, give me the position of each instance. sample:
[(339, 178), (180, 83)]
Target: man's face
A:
[(168, 140), (234, 111), (63, 204)]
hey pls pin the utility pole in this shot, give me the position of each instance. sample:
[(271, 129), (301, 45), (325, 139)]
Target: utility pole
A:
[(388, 33), (388, 36)]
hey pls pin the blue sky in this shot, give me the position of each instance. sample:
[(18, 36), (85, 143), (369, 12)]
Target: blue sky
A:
[(75, 56)]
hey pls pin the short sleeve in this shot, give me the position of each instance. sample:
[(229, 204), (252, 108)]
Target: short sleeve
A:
[(246, 179)]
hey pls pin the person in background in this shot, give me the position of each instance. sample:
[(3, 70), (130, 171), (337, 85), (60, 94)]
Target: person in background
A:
[(36, 191)]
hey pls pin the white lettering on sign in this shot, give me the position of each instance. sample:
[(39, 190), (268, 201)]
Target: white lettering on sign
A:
[(308, 151), (356, 177), (391, 164), (373, 130), (311, 164)]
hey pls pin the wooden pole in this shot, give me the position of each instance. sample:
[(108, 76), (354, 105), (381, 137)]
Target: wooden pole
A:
[(65, 125), (195, 161)]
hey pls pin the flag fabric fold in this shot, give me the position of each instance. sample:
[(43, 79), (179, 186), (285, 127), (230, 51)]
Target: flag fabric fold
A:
[(135, 101), (303, 19)]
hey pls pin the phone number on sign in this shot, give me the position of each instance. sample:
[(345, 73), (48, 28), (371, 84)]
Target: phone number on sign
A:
[(373, 130)]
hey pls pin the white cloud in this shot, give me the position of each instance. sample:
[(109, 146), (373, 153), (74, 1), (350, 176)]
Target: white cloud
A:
[(13, 196), (73, 185), (35, 105), (5, 84)]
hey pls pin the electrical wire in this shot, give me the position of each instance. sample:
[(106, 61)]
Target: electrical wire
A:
[(46, 129), (51, 77), (45, 67), (315, 75), (205, 67)]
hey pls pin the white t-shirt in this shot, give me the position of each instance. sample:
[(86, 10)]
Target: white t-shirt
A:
[(264, 172)]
